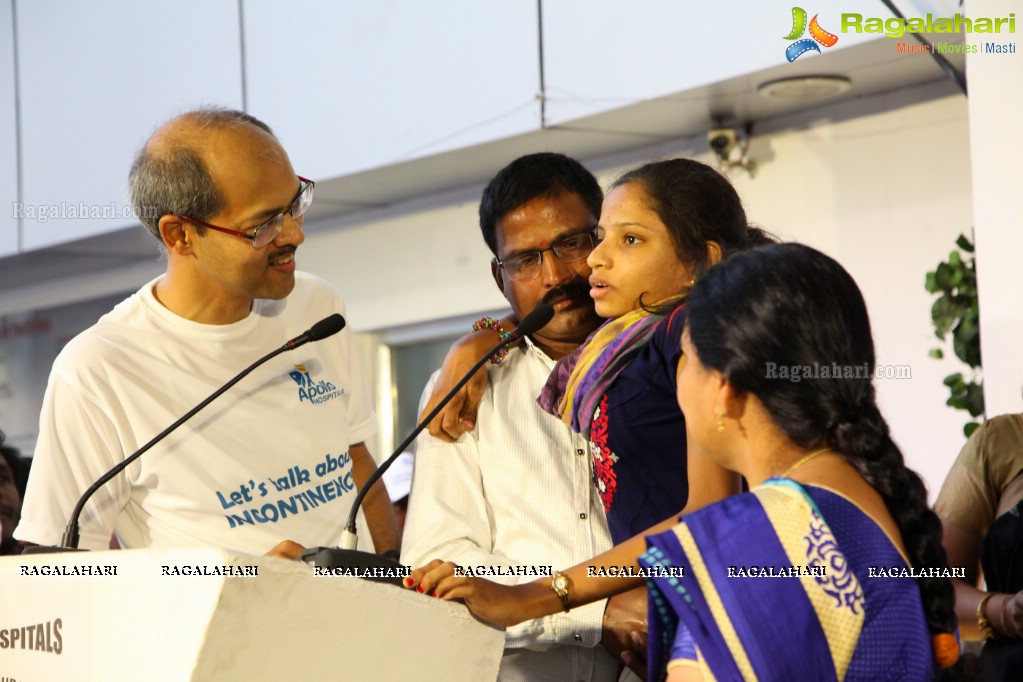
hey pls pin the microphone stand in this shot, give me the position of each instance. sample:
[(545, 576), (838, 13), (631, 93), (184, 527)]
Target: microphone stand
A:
[(347, 556)]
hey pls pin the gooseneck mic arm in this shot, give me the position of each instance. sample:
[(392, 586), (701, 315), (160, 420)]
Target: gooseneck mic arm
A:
[(326, 327), (530, 324)]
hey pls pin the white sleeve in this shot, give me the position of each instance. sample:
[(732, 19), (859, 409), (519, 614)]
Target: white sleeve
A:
[(362, 420), (449, 519), (77, 444)]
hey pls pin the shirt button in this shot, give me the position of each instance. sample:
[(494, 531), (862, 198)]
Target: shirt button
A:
[(583, 516), (577, 637), (580, 452)]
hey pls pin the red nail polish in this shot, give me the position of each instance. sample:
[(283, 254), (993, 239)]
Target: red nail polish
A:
[(419, 588), (408, 582)]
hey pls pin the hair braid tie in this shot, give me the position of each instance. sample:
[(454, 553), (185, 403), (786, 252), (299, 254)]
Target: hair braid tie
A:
[(946, 649)]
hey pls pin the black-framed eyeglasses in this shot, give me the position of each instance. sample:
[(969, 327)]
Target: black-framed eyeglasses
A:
[(266, 232), (571, 249)]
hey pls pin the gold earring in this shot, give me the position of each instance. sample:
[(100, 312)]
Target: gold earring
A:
[(721, 421)]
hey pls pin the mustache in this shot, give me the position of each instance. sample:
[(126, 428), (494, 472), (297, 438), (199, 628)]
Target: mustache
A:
[(570, 290), (283, 252)]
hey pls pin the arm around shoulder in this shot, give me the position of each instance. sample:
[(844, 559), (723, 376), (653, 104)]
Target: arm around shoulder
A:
[(459, 415)]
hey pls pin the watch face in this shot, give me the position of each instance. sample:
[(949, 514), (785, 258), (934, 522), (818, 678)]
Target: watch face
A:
[(560, 582)]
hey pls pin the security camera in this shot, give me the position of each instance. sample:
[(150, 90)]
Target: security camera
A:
[(722, 141)]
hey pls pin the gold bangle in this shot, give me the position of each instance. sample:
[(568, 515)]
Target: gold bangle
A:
[(983, 624)]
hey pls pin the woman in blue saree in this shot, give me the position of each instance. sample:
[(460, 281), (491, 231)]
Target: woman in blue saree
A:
[(831, 568), (785, 568)]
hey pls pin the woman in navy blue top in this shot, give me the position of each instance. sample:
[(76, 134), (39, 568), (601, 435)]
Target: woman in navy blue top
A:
[(639, 415)]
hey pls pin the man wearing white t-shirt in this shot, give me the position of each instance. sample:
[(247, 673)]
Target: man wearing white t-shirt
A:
[(515, 494), (275, 461)]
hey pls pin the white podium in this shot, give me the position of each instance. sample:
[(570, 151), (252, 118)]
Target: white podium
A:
[(167, 615)]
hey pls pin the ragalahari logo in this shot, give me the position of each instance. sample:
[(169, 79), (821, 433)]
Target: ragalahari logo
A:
[(817, 35)]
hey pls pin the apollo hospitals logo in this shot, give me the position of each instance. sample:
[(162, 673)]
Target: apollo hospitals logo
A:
[(818, 36), (314, 391)]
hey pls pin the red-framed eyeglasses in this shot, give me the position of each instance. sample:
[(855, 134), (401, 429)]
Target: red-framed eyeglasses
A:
[(266, 232)]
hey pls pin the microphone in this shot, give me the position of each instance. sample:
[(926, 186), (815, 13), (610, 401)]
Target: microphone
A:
[(328, 326), (347, 555)]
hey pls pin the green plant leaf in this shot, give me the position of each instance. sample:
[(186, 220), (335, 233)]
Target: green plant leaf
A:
[(944, 315), (969, 428), (974, 400), (943, 276), (955, 310), (964, 243), (966, 342)]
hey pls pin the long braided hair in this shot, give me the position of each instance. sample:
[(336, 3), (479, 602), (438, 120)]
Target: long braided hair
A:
[(793, 306)]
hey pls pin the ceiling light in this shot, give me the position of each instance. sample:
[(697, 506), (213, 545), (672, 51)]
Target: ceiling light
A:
[(805, 87)]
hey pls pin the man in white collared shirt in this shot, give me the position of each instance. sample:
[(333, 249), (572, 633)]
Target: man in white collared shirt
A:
[(514, 497)]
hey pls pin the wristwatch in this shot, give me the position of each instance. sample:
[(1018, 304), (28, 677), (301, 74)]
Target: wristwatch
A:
[(561, 584)]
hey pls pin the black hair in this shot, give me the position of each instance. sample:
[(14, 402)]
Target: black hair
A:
[(545, 174), (793, 306), (697, 204)]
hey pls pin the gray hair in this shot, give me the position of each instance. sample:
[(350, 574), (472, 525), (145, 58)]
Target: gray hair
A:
[(173, 179)]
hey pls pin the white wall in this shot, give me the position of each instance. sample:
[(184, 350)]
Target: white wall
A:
[(414, 263), (95, 79), (996, 98), (362, 85), (8, 135)]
